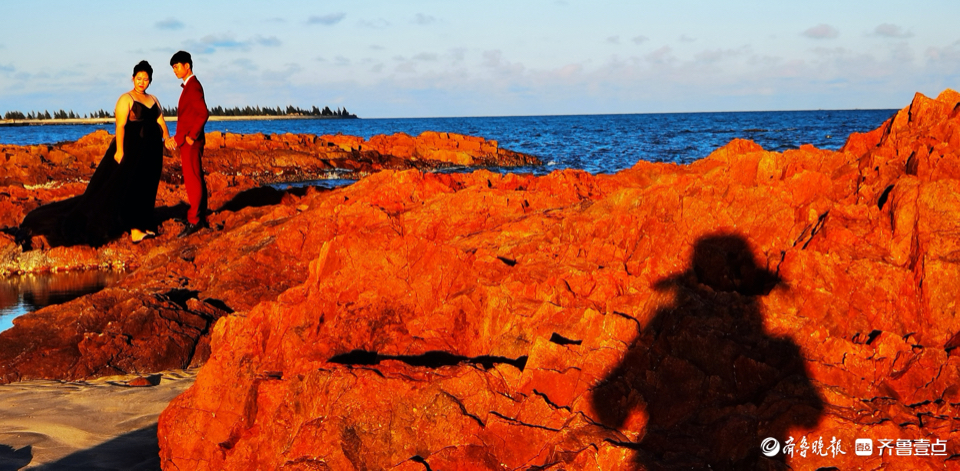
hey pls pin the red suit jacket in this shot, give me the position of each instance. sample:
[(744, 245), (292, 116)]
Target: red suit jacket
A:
[(191, 112)]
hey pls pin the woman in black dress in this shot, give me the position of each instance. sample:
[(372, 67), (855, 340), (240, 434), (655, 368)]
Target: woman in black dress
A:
[(122, 191)]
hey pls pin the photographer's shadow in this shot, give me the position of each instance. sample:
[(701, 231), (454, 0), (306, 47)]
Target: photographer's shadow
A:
[(712, 384)]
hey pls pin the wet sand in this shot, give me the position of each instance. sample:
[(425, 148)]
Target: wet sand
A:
[(101, 424)]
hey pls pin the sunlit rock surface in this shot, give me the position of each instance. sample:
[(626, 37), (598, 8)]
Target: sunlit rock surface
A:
[(160, 316), (237, 167), (665, 317)]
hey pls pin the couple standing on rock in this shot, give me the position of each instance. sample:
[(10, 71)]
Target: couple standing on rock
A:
[(121, 193)]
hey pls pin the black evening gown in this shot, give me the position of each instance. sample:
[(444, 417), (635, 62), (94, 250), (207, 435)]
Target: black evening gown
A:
[(118, 198)]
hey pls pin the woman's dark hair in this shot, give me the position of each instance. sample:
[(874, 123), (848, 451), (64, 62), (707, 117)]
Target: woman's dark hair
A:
[(143, 66), (181, 57)]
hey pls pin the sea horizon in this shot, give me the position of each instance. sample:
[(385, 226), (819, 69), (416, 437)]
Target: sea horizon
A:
[(61, 121), (596, 143)]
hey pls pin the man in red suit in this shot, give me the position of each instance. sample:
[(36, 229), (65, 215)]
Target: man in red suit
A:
[(191, 116)]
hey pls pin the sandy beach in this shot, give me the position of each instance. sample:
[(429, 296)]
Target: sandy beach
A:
[(101, 424)]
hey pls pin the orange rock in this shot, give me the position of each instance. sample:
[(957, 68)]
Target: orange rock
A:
[(213, 140), (144, 382), (107, 333), (666, 316)]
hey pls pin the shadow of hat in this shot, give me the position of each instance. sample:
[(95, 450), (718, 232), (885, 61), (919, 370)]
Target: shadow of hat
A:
[(725, 263)]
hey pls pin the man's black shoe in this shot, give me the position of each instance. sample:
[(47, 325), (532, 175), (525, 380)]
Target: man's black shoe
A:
[(193, 228)]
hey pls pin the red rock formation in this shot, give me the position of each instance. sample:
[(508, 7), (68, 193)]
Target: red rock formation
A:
[(155, 320), (114, 331), (235, 164), (289, 157), (666, 316)]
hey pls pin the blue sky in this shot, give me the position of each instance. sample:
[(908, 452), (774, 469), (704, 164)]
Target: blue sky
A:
[(492, 58)]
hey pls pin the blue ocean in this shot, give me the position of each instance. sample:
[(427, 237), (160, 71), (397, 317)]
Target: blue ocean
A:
[(595, 143)]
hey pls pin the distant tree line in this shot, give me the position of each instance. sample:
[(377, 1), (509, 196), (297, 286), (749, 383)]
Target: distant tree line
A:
[(215, 111), (267, 111), (56, 115)]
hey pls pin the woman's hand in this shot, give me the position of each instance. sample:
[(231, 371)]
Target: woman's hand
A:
[(118, 156)]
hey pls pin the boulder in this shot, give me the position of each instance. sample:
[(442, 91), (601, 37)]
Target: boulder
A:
[(664, 317)]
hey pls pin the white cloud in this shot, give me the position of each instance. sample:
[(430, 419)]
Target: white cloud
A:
[(569, 71), (407, 68), (717, 55), (902, 53), (169, 24), (272, 41), (944, 58), (613, 40), (214, 42), (379, 23), (245, 64), (660, 56), (888, 30), (822, 31), (282, 76), (421, 19), (639, 39), (326, 20), (211, 43), (458, 54), (492, 58)]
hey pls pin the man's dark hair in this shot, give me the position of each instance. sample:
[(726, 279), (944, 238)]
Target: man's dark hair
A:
[(181, 57), (143, 66)]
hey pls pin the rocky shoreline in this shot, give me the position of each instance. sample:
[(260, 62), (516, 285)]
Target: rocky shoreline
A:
[(238, 168), (662, 317), (159, 317)]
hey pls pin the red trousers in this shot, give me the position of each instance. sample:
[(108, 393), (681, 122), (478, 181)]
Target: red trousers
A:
[(193, 179)]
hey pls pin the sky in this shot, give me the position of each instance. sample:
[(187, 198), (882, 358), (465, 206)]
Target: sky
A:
[(493, 58)]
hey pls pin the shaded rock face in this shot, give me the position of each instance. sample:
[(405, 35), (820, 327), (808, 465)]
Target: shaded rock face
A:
[(666, 317), (114, 331), (720, 383)]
